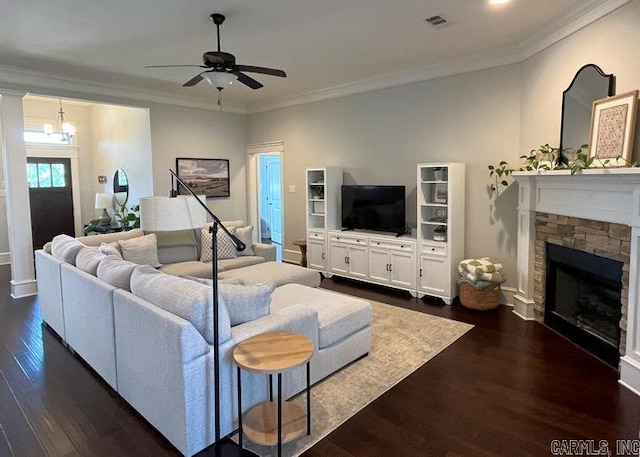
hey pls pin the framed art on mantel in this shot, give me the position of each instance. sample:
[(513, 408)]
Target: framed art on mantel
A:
[(613, 121), (208, 177)]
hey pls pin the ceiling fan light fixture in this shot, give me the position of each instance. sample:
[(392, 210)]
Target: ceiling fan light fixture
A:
[(219, 79)]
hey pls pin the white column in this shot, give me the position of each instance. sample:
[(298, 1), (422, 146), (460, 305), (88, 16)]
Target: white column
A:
[(523, 299), (630, 362), (23, 282)]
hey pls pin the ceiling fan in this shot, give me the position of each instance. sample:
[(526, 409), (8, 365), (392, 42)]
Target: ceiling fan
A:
[(221, 67)]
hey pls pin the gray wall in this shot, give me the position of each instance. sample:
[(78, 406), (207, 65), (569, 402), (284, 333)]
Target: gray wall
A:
[(478, 118), (379, 137), (189, 132)]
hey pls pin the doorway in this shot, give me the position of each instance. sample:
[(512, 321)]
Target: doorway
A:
[(50, 198), (270, 200)]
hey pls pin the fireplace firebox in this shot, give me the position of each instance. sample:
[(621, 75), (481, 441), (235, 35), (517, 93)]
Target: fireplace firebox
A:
[(583, 300)]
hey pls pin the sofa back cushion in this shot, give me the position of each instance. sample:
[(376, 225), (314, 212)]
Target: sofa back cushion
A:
[(115, 271), (189, 300), (88, 259), (66, 248), (176, 246), (246, 303), (96, 240), (142, 250)]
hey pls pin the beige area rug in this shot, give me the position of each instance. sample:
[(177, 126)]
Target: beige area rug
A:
[(403, 340)]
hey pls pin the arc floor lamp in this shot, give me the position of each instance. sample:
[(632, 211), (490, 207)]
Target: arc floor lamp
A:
[(190, 212)]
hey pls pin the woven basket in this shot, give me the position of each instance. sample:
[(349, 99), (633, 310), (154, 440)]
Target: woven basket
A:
[(481, 299)]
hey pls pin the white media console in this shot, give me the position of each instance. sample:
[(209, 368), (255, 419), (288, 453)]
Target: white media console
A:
[(425, 264)]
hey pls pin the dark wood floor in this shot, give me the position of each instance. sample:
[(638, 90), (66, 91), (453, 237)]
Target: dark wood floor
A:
[(508, 387)]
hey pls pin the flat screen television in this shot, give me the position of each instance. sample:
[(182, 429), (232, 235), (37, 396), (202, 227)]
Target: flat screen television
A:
[(377, 208)]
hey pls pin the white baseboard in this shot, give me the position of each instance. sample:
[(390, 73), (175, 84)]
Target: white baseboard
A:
[(20, 289), (506, 296), (630, 374), (5, 258), (523, 307)]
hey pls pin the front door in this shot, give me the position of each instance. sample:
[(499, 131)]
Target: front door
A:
[(50, 197)]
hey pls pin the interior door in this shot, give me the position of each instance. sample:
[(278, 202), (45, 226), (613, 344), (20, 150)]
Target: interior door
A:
[(274, 197), (50, 197)]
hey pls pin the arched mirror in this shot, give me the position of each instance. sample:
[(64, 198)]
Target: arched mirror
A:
[(120, 187), (589, 84)]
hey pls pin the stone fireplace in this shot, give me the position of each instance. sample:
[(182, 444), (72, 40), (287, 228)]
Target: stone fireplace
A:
[(595, 212), (592, 278)]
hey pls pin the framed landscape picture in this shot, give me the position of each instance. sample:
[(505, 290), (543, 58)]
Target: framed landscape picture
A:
[(208, 177), (613, 121)]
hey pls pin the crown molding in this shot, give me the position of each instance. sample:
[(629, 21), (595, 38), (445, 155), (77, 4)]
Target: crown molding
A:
[(19, 80), (588, 12), (494, 58)]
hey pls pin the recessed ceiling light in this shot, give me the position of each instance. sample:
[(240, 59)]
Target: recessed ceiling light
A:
[(498, 2)]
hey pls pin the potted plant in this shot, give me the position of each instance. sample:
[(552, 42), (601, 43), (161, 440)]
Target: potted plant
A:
[(128, 219), (440, 233)]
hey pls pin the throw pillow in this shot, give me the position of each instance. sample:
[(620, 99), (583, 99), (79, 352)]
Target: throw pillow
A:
[(226, 248), (246, 303), (142, 250), (110, 249), (245, 234), (65, 248)]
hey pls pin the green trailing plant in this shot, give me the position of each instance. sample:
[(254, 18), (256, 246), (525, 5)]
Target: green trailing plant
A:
[(128, 219), (546, 157)]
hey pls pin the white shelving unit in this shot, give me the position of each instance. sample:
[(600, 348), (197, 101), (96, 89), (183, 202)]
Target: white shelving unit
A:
[(323, 206), (440, 213)]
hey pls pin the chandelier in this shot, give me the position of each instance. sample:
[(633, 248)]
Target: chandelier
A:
[(67, 130)]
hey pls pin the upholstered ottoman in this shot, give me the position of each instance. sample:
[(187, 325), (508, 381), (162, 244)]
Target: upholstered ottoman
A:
[(281, 273), (344, 326)]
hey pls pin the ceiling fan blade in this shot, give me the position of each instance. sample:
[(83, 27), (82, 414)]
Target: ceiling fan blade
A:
[(193, 81), (172, 66), (247, 80), (263, 70)]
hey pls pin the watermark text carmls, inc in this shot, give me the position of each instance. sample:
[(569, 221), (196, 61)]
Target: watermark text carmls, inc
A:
[(595, 447)]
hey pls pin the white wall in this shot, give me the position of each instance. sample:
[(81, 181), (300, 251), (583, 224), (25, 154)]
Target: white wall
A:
[(122, 139), (189, 132), (379, 137)]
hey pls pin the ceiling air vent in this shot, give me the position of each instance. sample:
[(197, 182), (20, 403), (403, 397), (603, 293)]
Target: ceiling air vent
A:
[(437, 21)]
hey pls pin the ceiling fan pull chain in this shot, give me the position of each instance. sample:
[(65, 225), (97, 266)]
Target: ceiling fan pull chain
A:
[(219, 99)]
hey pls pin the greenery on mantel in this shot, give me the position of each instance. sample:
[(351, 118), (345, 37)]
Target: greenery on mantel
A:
[(547, 158)]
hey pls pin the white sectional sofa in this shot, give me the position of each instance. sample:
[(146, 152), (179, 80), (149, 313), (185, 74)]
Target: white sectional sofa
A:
[(148, 334)]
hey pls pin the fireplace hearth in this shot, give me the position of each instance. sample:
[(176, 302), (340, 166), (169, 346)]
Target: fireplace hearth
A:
[(583, 300)]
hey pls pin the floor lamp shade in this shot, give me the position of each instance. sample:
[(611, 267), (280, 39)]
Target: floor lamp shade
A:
[(162, 214)]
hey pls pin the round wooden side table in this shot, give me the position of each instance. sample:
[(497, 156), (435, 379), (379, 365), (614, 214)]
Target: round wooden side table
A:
[(274, 423), (302, 243)]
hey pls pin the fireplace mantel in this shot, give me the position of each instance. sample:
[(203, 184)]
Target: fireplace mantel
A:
[(601, 194)]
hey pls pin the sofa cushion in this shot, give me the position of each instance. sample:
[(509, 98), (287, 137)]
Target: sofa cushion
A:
[(209, 281), (239, 262), (142, 250), (281, 273), (88, 259), (226, 248), (116, 271), (66, 248), (338, 315), (246, 303), (176, 246), (185, 298), (96, 240), (192, 268), (245, 235)]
